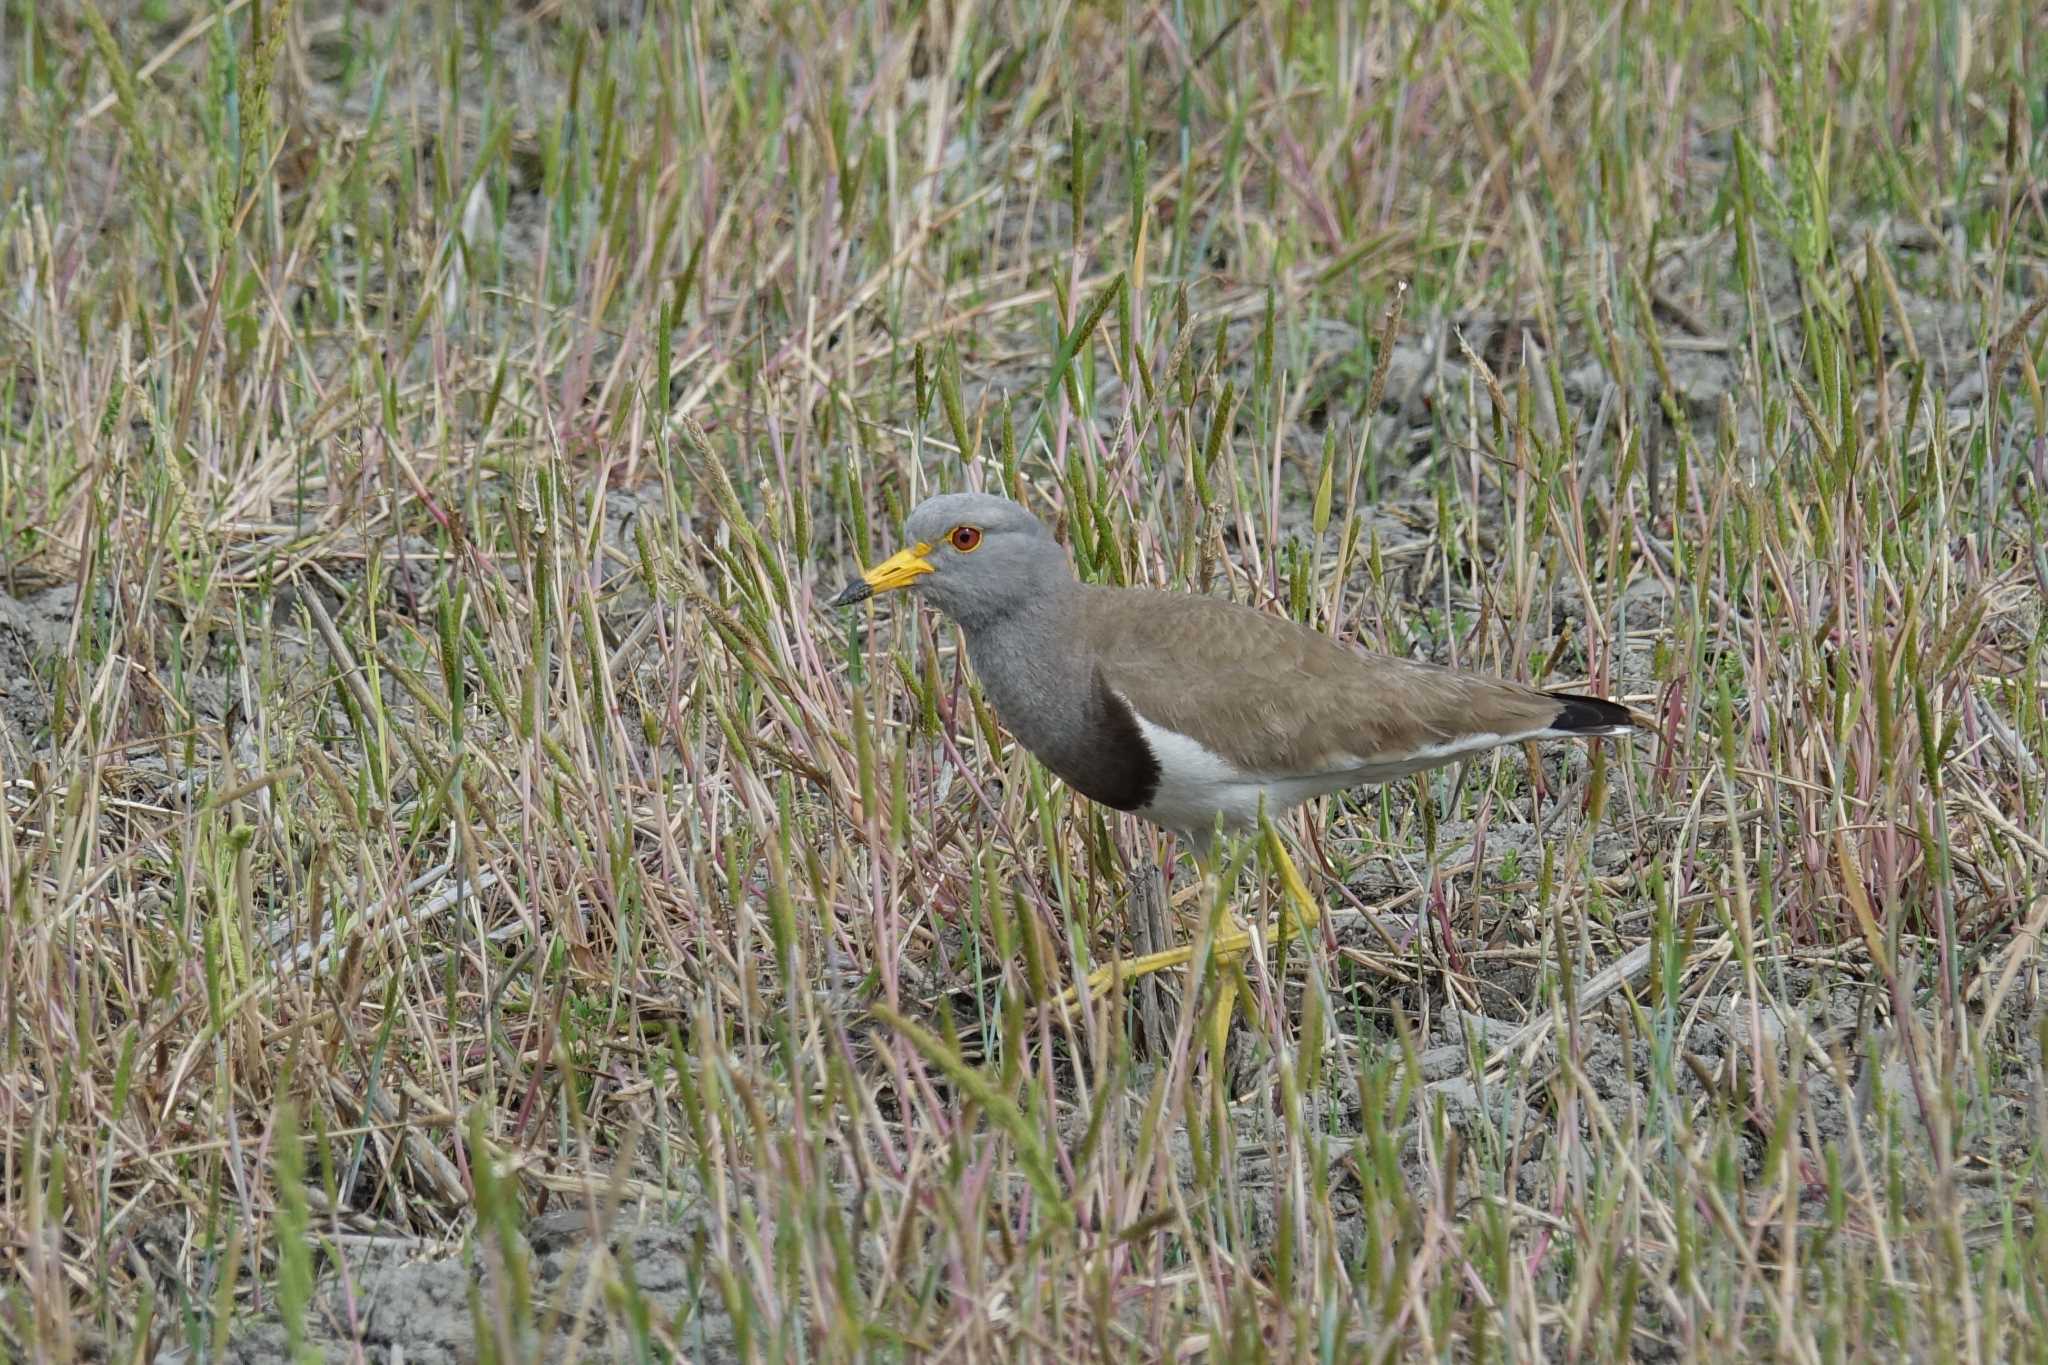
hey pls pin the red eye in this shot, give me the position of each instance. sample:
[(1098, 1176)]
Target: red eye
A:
[(964, 538)]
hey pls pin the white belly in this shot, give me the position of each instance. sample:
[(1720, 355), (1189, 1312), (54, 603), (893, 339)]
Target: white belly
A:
[(1196, 785)]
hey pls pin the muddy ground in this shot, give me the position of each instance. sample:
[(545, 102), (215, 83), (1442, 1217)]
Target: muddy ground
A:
[(1482, 1055)]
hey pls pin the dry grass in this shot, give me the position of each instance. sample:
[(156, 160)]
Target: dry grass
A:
[(436, 795)]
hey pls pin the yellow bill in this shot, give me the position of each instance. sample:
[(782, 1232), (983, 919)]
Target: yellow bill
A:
[(899, 570)]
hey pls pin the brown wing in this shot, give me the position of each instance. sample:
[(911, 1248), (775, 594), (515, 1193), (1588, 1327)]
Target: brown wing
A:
[(1275, 697)]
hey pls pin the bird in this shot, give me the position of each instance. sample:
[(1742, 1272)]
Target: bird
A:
[(1194, 713)]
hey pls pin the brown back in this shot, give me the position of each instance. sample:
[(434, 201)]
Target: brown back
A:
[(1275, 697)]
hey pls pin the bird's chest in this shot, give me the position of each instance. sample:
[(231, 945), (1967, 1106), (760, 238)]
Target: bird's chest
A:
[(1070, 722)]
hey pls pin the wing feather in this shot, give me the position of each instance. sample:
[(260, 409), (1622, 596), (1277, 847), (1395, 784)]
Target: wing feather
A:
[(1277, 698)]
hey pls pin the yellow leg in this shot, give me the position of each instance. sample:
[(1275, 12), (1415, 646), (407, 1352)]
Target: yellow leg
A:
[(1306, 913), (1225, 945)]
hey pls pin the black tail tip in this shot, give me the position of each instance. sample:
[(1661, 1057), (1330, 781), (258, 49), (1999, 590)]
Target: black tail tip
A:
[(1591, 716)]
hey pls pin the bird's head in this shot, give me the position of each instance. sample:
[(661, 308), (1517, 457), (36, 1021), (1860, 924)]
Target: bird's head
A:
[(975, 556)]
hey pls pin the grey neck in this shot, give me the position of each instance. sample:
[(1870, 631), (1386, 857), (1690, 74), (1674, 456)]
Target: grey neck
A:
[(1036, 672)]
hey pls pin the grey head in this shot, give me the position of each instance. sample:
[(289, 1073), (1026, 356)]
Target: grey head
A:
[(976, 557)]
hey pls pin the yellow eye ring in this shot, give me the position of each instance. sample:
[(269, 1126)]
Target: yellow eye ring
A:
[(965, 539)]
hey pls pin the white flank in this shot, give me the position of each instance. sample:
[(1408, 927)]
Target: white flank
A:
[(1473, 744), (1196, 783), (1388, 767)]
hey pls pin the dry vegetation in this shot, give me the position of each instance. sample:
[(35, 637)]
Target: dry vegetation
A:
[(465, 896)]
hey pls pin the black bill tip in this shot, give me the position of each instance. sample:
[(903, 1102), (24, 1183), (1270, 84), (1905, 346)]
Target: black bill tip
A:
[(856, 591)]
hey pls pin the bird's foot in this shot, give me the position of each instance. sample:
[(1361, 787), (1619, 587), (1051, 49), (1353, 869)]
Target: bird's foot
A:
[(1224, 947)]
